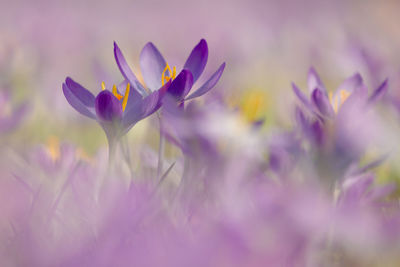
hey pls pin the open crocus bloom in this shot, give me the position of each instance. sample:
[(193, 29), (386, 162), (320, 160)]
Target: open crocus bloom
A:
[(326, 105), (156, 72), (115, 112)]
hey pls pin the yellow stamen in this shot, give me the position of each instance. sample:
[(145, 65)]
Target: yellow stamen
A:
[(338, 101), (115, 92), (53, 148), (344, 95), (172, 74), (125, 100), (119, 96)]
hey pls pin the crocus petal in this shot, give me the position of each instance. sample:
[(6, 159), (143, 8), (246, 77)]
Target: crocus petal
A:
[(133, 96), (108, 107), (354, 102), (86, 97), (152, 65), (351, 84), (314, 81), (317, 133), (77, 103), (380, 192), (153, 102), (374, 164), (208, 85), (197, 59), (321, 102), (355, 188), (379, 92), (182, 84), (301, 120), (303, 99), (123, 66), (143, 108)]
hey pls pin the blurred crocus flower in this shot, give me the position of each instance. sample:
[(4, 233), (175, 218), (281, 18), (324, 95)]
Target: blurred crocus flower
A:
[(10, 117), (185, 127), (339, 124), (116, 113), (326, 105), (322, 109), (156, 72)]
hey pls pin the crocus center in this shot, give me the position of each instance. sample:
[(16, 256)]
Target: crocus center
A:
[(339, 99), (118, 95), (253, 105), (172, 74)]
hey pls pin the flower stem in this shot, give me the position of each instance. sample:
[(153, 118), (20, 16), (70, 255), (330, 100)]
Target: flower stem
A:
[(112, 145), (161, 148), (186, 167), (127, 153)]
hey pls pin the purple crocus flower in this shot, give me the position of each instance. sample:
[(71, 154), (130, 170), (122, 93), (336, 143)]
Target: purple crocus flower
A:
[(335, 123), (116, 113), (156, 72), (326, 105), (321, 108)]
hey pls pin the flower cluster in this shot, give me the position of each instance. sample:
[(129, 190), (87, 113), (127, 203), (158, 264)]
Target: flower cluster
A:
[(118, 113)]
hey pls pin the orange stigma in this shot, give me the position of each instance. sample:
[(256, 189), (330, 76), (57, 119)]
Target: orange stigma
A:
[(172, 74), (119, 96)]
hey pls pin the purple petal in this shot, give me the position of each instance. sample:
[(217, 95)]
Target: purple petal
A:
[(181, 85), (303, 99), (77, 103), (379, 92), (108, 107), (84, 95), (314, 81), (208, 85), (197, 59), (353, 103), (317, 133), (380, 192), (152, 65), (321, 102), (123, 66), (355, 188), (133, 96), (301, 120), (351, 84), (376, 163), (143, 108), (153, 102)]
